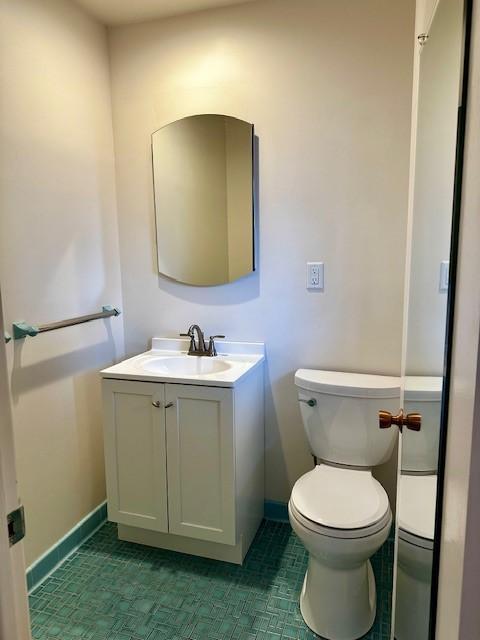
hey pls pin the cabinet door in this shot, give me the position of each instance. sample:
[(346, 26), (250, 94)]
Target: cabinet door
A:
[(201, 462), (135, 456)]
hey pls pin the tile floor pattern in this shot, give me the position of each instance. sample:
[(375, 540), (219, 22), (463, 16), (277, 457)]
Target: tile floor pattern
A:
[(109, 589)]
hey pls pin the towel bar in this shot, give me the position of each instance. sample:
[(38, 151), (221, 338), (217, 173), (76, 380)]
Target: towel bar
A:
[(23, 329)]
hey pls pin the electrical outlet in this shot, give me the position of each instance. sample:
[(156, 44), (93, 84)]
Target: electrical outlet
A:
[(315, 275)]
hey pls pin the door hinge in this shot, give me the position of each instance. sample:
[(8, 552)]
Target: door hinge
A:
[(16, 525)]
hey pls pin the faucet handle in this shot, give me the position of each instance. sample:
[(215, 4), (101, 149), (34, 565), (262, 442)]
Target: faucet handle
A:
[(190, 335), (212, 350)]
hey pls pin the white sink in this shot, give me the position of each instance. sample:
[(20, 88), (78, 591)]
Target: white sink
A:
[(168, 361), (184, 365)]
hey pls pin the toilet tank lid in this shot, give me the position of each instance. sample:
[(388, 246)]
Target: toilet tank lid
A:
[(427, 388), (353, 385)]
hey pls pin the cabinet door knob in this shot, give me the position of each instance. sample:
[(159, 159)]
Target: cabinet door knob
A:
[(168, 405), (156, 404)]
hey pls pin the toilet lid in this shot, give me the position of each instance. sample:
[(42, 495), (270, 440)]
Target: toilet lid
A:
[(351, 385), (340, 498), (416, 505), (423, 388)]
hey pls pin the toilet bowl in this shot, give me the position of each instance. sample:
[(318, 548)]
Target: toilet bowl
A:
[(342, 517), (338, 510), (417, 497)]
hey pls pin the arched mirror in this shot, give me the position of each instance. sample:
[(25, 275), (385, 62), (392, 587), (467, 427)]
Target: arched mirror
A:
[(203, 182)]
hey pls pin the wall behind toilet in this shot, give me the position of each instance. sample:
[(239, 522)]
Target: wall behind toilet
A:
[(328, 88), (433, 194), (58, 254)]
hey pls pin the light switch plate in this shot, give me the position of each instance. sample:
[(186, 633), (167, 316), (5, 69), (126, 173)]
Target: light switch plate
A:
[(315, 275), (444, 273)]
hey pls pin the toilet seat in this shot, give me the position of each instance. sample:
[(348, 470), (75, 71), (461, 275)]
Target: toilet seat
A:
[(416, 541), (417, 503), (340, 503), (347, 534)]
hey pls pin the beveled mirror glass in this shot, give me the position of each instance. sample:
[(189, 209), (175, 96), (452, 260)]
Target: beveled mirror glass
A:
[(203, 183)]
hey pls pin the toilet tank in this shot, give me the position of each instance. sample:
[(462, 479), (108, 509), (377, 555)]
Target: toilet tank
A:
[(423, 394), (340, 415)]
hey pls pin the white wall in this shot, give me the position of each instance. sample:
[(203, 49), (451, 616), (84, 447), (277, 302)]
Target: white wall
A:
[(440, 60), (328, 88), (58, 254)]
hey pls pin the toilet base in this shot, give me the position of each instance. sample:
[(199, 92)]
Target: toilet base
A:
[(338, 604)]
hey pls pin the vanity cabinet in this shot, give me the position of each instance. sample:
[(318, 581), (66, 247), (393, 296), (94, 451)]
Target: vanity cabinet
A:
[(184, 464)]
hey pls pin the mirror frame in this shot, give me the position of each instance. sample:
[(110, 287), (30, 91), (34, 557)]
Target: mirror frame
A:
[(454, 244), (254, 188)]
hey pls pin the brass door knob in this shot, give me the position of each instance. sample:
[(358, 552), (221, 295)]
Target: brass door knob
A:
[(412, 421)]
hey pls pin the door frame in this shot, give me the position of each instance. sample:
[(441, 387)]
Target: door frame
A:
[(457, 611), (451, 315), (14, 613)]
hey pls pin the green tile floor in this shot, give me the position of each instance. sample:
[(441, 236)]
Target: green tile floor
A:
[(115, 590)]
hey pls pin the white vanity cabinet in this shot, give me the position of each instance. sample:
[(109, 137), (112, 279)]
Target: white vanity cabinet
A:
[(184, 463)]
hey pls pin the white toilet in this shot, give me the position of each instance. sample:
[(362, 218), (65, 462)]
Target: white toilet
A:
[(338, 510), (423, 394), (416, 508)]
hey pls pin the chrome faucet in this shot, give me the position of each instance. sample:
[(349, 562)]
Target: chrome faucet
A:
[(198, 346)]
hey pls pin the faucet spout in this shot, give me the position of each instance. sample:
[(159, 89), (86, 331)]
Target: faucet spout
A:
[(198, 346), (199, 343)]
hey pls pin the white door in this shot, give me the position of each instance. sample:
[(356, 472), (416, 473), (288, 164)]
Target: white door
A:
[(428, 316), (136, 468), (201, 462), (14, 616)]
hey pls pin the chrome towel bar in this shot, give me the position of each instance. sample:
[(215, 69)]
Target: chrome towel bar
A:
[(23, 329)]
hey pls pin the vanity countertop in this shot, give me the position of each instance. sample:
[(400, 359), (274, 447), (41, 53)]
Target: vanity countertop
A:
[(167, 361)]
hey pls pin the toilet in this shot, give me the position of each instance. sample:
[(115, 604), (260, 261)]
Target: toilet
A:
[(338, 510), (423, 394), (417, 496), (416, 523)]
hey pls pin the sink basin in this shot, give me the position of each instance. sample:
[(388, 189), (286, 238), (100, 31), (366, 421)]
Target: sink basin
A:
[(185, 365), (168, 362)]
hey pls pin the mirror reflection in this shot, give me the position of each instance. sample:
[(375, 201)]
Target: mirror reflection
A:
[(203, 179), (439, 85)]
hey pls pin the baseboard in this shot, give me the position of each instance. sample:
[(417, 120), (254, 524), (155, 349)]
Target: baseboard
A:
[(277, 511), (43, 567), (49, 561)]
